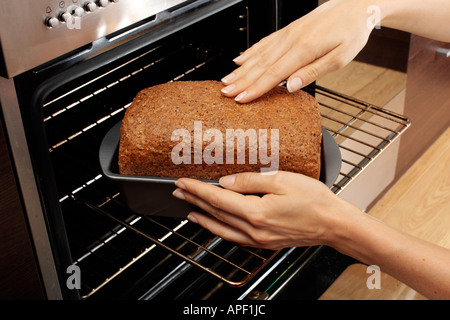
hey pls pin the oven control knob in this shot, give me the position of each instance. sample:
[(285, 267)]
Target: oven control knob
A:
[(65, 17), (52, 22), (103, 3), (90, 6), (78, 12)]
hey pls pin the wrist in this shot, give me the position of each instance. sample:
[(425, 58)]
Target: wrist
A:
[(356, 234), (388, 10), (378, 12), (339, 220), (363, 237)]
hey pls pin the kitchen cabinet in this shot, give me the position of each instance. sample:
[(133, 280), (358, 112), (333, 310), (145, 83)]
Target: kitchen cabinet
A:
[(427, 102)]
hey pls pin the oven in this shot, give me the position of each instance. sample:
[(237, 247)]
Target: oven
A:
[(69, 79)]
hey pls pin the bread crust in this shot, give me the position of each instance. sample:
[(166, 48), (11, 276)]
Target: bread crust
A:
[(156, 112)]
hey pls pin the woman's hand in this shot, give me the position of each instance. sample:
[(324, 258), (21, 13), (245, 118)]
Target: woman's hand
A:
[(324, 40), (299, 211), (327, 39), (295, 210)]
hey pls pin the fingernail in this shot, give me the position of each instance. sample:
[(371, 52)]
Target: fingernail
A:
[(241, 96), (228, 89), (237, 58), (294, 84), (227, 181), (180, 185), (178, 194), (192, 218), (228, 78)]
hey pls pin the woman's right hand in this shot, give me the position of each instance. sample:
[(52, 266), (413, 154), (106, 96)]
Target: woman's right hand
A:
[(324, 40)]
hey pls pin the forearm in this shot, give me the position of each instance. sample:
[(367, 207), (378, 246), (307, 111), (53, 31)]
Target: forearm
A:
[(430, 19), (298, 211), (423, 266)]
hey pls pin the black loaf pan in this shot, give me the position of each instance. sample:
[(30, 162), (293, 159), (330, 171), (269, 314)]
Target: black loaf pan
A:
[(153, 195)]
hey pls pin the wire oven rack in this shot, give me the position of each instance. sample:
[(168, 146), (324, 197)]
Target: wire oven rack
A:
[(362, 131)]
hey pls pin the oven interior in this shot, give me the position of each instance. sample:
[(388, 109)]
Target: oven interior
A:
[(122, 255)]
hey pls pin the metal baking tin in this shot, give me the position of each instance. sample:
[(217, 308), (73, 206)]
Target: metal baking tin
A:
[(153, 195)]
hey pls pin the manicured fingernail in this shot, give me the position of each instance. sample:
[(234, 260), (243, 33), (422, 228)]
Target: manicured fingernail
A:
[(192, 218), (294, 84), (227, 181), (228, 78), (237, 59), (229, 88), (178, 194), (241, 96), (180, 185)]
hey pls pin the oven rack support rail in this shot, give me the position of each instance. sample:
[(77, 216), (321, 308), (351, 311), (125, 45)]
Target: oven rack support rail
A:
[(363, 132)]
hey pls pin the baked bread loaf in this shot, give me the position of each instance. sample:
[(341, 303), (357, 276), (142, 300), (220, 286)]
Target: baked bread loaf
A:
[(185, 129)]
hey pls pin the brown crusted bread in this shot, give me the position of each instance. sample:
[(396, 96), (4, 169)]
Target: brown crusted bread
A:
[(157, 112)]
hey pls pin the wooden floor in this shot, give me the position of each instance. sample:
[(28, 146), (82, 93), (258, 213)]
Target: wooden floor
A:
[(419, 203)]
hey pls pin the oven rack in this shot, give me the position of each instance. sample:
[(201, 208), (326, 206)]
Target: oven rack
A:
[(131, 242), (363, 131), (230, 263)]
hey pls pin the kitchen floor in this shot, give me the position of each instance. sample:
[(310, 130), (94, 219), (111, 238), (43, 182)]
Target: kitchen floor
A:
[(419, 202)]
